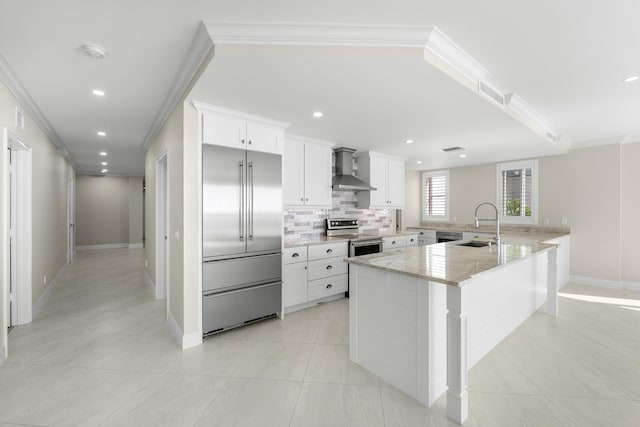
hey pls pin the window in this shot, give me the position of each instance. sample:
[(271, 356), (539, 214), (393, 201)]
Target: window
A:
[(435, 193), (517, 192)]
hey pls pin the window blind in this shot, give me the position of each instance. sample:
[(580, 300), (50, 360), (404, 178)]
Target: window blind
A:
[(435, 196)]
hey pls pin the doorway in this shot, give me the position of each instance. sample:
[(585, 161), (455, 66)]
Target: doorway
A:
[(71, 233), (16, 227), (162, 218)]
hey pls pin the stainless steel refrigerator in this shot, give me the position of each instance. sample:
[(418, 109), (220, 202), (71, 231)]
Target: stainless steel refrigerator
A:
[(242, 237)]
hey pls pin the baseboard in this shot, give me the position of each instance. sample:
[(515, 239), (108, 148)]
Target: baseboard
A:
[(184, 341), (135, 246), (149, 281), (608, 284), (106, 246), (305, 305), (45, 295)]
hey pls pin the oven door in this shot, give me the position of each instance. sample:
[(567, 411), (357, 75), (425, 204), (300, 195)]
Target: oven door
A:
[(365, 247)]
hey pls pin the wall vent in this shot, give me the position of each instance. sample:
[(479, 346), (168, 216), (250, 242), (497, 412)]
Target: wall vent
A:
[(451, 149), (490, 93)]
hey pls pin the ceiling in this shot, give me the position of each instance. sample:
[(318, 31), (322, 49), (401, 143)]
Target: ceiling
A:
[(566, 60)]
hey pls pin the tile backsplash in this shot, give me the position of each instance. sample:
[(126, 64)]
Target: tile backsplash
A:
[(311, 223)]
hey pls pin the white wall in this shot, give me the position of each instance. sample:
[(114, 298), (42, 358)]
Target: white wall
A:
[(102, 210), (135, 209), (50, 175)]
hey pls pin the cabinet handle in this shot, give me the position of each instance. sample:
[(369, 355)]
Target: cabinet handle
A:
[(301, 199), (305, 267), (243, 141), (249, 142), (393, 243), (329, 251), (295, 254), (329, 267), (306, 200), (411, 240), (329, 286)]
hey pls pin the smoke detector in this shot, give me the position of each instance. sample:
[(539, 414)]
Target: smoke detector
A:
[(94, 51)]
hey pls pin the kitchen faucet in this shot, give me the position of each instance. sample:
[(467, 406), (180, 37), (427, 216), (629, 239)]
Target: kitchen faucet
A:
[(496, 220)]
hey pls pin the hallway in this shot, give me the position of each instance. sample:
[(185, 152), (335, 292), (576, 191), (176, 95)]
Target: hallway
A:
[(100, 353)]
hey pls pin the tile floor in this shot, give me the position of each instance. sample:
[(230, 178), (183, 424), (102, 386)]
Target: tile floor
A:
[(100, 353)]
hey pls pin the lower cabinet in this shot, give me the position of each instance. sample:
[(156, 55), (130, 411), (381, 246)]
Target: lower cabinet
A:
[(396, 242), (425, 237), (313, 273)]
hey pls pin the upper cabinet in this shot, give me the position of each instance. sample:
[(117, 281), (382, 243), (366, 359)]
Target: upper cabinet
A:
[(307, 173), (229, 128), (386, 174)]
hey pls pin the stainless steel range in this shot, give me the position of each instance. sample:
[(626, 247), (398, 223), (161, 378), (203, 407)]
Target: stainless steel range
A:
[(358, 244)]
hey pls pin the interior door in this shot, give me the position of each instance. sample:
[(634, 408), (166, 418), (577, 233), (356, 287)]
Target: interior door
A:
[(224, 175), (13, 252), (264, 176)]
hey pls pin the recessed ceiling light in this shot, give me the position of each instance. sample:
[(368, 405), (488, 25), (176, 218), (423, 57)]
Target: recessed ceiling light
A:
[(104, 170), (98, 92), (317, 114), (419, 162), (104, 163), (409, 141), (103, 153), (631, 79), (101, 133), (463, 155)]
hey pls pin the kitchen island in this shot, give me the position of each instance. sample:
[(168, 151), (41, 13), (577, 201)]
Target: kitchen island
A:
[(420, 317)]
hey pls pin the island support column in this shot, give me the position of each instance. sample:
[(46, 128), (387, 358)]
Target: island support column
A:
[(457, 358), (552, 282)]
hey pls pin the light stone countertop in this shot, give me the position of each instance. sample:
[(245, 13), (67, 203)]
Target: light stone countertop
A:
[(454, 265), (293, 242)]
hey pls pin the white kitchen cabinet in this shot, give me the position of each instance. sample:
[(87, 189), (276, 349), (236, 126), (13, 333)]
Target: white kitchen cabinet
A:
[(307, 173), (313, 273), (412, 240), (393, 242), (229, 128), (425, 237), (294, 276), (294, 284), (386, 174)]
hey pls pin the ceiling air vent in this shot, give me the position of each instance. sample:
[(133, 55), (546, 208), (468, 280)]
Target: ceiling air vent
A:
[(490, 93), (452, 149)]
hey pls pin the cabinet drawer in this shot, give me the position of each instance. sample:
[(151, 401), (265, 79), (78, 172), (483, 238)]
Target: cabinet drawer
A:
[(394, 242), (328, 250), (296, 254), (326, 287), (321, 268), (412, 240)]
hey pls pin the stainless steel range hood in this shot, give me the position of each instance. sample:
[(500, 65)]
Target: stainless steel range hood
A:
[(344, 178)]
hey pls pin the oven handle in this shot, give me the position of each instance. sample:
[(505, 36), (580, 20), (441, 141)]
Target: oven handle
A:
[(366, 243)]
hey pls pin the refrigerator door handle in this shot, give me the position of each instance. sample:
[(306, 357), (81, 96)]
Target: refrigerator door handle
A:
[(250, 232), (241, 221)]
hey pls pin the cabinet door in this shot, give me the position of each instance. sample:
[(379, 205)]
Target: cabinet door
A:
[(378, 179), (294, 284), (222, 130), (317, 175), (265, 138), (395, 182), (293, 173)]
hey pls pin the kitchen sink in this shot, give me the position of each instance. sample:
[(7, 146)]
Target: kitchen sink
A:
[(474, 244)]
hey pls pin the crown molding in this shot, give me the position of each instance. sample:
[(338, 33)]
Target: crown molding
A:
[(15, 86), (199, 50), (454, 56), (303, 138), (525, 114), (314, 34), (215, 109)]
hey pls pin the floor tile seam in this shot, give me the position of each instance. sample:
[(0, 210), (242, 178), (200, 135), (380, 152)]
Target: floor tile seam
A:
[(244, 358), (533, 382)]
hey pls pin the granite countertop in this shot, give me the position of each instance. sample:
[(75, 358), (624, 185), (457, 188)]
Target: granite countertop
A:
[(320, 240), (507, 229), (451, 264)]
